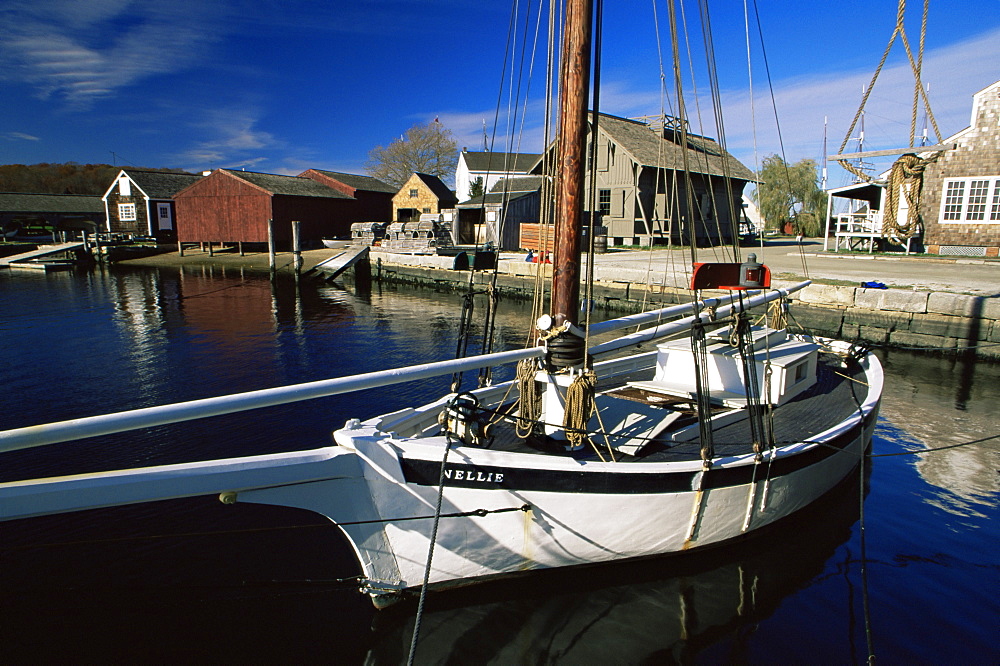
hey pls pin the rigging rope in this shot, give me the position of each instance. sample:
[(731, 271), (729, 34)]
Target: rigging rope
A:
[(915, 65), (430, 552)]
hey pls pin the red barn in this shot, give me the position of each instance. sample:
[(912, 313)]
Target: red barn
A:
[(374, 197), (235, 206)]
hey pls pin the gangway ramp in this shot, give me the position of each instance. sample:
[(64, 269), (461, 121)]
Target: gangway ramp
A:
[(42, 251), (341, 261)]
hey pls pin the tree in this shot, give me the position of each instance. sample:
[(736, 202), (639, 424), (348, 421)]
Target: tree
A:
[(476, 188), (428, 148), (791, 194)]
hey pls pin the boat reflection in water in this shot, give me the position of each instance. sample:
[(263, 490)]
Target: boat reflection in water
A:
[(660, 610)]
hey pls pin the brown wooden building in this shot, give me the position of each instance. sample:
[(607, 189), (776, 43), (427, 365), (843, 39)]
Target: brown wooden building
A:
[(421, 194), (141, 203), (373, 196), (235, 206)]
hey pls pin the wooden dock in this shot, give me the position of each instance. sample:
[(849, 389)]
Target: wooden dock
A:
[(29, 259), (341, 261)]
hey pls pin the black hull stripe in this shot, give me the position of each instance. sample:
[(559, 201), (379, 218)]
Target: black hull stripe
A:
[(463, 475)]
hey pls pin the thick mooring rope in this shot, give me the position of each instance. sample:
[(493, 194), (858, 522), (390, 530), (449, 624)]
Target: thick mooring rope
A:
[(579, 407), (530, 402), (907, 174)]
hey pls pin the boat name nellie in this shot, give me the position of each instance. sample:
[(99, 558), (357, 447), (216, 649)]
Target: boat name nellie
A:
[(473, 475)]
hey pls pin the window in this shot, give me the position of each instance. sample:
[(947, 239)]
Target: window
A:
[(975, 199), (427, 210), (413, 194), (126, 212), (604, 202)]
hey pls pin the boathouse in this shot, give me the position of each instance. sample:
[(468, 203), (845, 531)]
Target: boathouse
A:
[(374, 198), (25, 212), (236, 206), (421, 194), (141, 203), (489, 168)]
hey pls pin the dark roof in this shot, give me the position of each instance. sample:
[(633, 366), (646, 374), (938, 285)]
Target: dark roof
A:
[(13, 202), (500, 162), (366, 183), (495, 198), (519, 184), (161, 184), (288, 185), (440, 190), (651, 149)]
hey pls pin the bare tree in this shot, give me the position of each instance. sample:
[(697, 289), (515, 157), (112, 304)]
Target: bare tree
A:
[(429, 148)]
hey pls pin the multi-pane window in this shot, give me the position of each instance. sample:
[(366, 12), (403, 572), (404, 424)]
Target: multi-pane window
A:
[(604, 202), (971, 200), (126, 212)]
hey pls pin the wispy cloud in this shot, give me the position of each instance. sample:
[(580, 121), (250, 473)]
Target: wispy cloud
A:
[(19, 136), (233, 141), (79, 52)]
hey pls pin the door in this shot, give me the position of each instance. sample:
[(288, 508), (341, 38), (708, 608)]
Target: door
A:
[(164, 217)]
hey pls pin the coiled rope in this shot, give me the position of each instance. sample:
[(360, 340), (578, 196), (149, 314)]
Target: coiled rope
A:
[(579, 407), (530, 402)]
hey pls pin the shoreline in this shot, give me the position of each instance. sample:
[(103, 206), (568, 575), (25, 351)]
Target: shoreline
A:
[(932, 321)]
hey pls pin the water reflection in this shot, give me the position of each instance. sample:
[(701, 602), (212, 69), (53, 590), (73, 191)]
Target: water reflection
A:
[(935, 402)]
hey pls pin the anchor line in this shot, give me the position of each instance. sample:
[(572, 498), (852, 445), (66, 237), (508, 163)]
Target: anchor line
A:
[(479, 513)]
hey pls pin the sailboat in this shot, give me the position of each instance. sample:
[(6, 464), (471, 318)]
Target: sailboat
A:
[(596, 452)]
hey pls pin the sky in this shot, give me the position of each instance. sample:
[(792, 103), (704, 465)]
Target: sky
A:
[(281, 87)]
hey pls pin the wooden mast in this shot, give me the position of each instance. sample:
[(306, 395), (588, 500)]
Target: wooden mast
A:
[(571, 153)]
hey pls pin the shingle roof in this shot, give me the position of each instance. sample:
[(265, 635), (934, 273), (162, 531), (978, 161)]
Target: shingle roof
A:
[(366, 183), (649, 148), (500, 162), (12, 202), (519, 184), (495, 198), (288, 185), (440, 190), (161, 184)]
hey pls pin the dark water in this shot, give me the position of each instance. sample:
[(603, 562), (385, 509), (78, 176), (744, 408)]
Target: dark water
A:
[(197, 581)]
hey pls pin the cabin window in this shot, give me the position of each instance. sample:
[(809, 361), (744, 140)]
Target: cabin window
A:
[(126, 212), (799, 372), (974, 199), (604, 202), (413, 194)]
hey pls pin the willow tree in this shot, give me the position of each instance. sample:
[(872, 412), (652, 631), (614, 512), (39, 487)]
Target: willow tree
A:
[(790, 193), (426, 148)]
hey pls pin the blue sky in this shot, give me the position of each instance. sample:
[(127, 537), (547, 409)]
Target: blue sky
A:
[(284, 86)]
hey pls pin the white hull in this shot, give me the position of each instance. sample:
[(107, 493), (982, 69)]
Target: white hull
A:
[(564, 526)]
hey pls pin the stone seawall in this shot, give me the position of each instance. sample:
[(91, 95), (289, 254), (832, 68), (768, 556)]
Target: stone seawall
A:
[(936, 322)]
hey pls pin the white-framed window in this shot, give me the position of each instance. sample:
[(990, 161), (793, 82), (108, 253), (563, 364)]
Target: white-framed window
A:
[(971, 200), (126, 212)]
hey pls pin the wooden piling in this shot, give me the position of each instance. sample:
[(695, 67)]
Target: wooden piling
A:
[(296, 247), (272, 260)]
